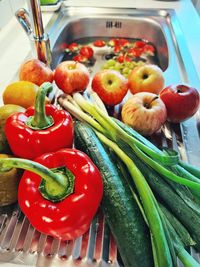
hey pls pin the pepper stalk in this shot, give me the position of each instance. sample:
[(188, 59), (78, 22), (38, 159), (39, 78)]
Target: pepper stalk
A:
[(56, 183), (40, 120)]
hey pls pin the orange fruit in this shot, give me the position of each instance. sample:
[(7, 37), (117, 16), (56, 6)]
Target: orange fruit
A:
[(22, 93)]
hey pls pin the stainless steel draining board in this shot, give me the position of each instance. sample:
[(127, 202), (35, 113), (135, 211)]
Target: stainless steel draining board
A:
[(21, 244)]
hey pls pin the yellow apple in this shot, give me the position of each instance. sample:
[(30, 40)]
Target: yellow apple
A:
[(146, 78)]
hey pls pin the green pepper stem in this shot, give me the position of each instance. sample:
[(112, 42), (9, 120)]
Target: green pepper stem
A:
[(40, 120), (57, 182)]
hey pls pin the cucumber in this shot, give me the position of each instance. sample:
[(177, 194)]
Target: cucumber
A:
[(118, 205)]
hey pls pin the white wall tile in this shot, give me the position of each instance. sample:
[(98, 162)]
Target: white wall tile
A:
[(8, 9)]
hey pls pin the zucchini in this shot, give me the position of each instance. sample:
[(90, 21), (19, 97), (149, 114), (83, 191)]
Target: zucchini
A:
[(118, 205)]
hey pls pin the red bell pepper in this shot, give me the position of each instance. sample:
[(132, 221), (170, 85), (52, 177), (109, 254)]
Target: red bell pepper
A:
[(40, 129), (62, 198)]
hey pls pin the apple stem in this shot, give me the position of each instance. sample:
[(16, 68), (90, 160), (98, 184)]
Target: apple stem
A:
[(148, 105), (40, 120)]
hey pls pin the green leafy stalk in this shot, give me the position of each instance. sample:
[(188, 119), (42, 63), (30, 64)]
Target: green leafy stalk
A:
[(152, 214)]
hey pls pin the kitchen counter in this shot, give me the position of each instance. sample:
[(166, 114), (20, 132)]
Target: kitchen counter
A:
[(15, 46)]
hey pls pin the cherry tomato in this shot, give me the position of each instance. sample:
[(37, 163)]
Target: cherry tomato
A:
[(99, 43), (123, 42), (139, 44), (87, 52), (73, 47), (80, 58), (118, 48), (113, 42), (149, 49), (135, 51), (63, 46), (123, 58)]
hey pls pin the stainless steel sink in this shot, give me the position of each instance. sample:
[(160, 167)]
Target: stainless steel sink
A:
[(22, 244), (160, 27)]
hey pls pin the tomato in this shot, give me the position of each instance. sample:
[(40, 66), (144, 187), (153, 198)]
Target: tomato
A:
[(118, 48), (135, 51), (139, 44), (80, 58), (73, 47), (99, 43), (149, 49), (113, 42), (123, 42), (87, 52), (123, 58)]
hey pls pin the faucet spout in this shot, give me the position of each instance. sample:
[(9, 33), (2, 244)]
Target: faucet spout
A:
[(36, 18), (33, 25)]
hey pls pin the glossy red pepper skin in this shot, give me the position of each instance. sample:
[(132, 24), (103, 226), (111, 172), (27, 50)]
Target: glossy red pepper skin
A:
[(71, 217), (28, 143)]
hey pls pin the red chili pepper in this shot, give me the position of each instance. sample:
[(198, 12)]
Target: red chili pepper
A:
[(99, 43), (59, 192), (86, 51), (40, 129)]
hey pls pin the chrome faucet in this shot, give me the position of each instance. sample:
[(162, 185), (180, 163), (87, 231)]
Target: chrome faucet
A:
[(32, 24)]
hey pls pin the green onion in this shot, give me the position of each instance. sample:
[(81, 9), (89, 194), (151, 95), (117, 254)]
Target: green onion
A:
[(116, 131), (166, 163), (161, 247)]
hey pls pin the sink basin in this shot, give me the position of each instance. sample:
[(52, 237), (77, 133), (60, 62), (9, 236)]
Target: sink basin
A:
[(101, 26), (22, 244), (159, 27)]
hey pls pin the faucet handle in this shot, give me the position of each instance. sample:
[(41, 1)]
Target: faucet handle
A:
[(22, 16)]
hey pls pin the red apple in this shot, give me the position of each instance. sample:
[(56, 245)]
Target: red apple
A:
[(35, 71), (71, 76), (146, 78), (181, 101), (145, 112), (110, 85)]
